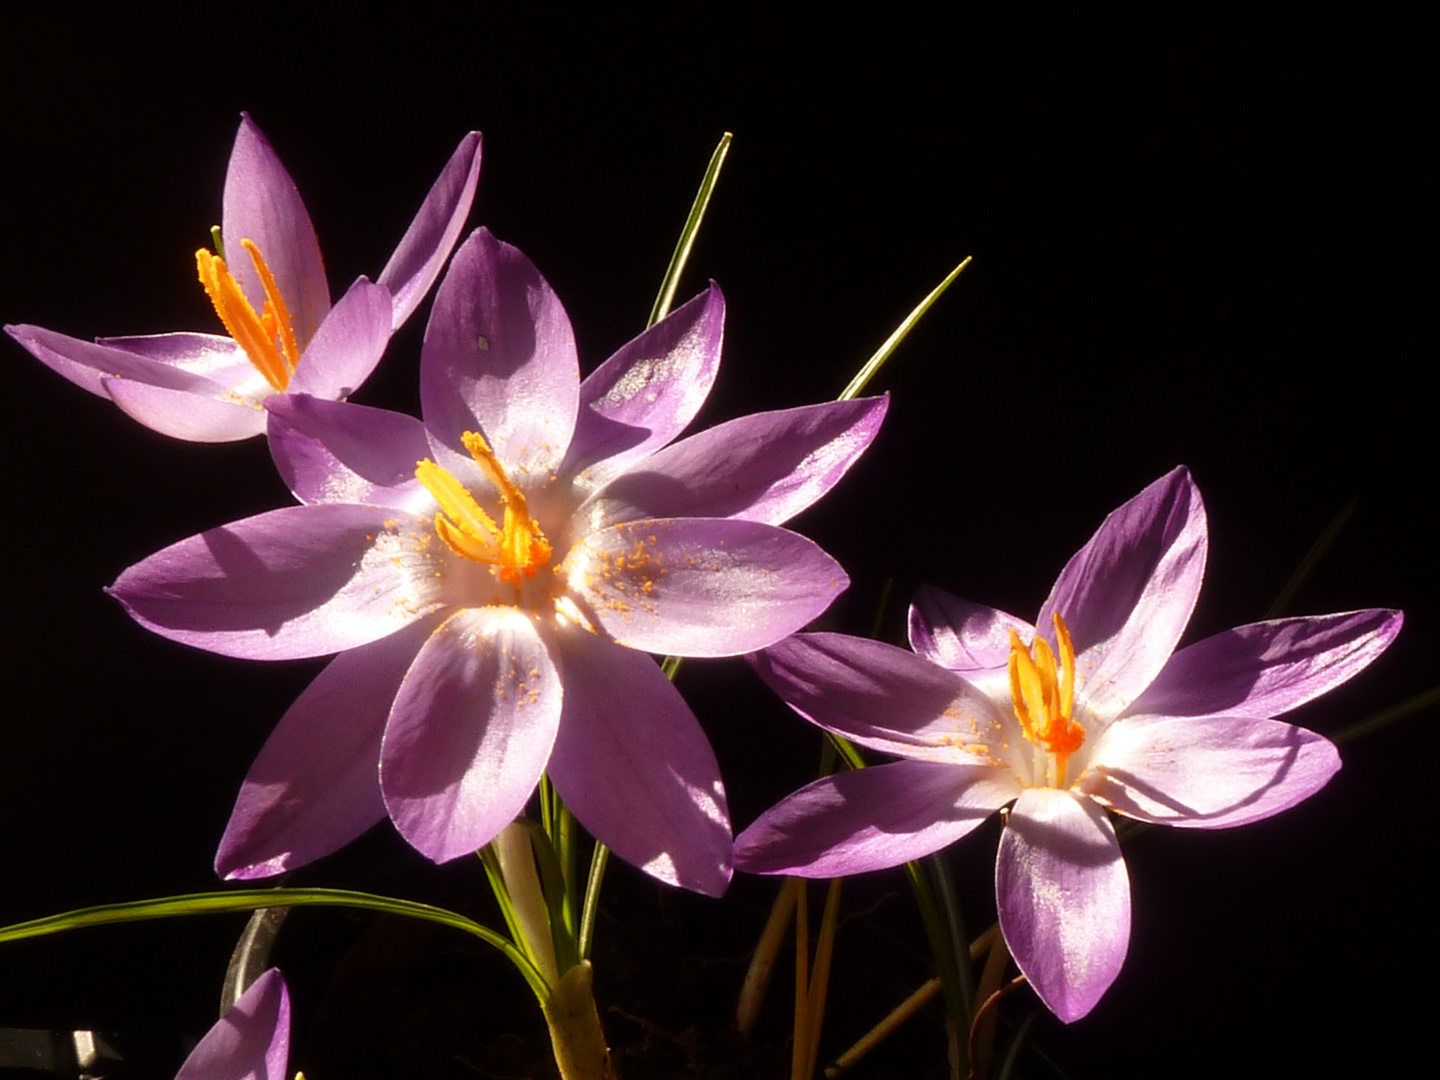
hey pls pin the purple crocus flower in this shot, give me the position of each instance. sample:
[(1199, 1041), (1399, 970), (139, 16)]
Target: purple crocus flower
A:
[(251, 1041), (493, 606), (1092, 709), (273, 298)]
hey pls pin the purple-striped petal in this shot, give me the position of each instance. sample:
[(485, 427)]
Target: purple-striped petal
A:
[(1266, 669), (645, 395), (1128, 593), (701, 586), (336, 452), (1209, 773), (634, 766), (470, 731), (968, 638), (884, 698), (347, 345), (185, 414), (302, 581), (251, 1041), (499, 358), (872, 818), (427, 243), (316, 783), (262, 204), (1063, 898), (764, 467)]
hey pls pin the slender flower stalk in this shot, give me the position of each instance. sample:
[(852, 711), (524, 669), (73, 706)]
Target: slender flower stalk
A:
[(491, 605), (1091, 709), (268, 287)]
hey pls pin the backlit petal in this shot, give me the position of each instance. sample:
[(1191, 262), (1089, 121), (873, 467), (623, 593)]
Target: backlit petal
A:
[(885, 698), (1128, 593), (1063, 898), (470, 731), (185, 414), (348, 344), (251, 1041), (701, 586), (968, 638), (1207, 773), (634, 766), (872, 818)]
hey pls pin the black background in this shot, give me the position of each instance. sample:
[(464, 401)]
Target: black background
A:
[(1198, 238)]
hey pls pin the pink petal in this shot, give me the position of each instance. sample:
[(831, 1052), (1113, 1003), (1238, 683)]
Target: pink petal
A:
[(184, 414), (416, 263), (348, 344), (1213, 772), (634, 766), (968, 638), (262, 204), (316, 784), (871, 819), (87, 363), (764, 467), (470, 731), (209, 355), (1128, 593), (336, 452), (1268, 668), (645, 395), (701, 586), (302, 581), (499, 358), (1063, 898), (885, 698), (251, 1041)]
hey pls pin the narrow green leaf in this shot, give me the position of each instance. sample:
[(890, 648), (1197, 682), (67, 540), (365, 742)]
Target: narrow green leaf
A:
[(688, 233)]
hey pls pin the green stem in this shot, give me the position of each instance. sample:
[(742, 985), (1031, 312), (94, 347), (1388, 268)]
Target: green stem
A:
[(1386, 717), (688, 233), (951, 984), (598, 858), (250, 899)]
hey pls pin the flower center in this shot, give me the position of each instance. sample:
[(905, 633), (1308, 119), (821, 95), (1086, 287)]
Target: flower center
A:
[(513, 550), (267, 338), (1043, 695)]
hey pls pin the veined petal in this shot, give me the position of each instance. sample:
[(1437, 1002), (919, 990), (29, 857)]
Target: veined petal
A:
[(348, 344), (187, 414), (968, 638), (885, 698), (316, 783), (1213, 772), (1128, 593), (416, 263), (645, 395), (701, 586), (251, 1041), (87, 363), (499, 358), (336, 452), (302, 581), (470, 731), (634, 766), (262, 204), (209, 355), (1063, 898), (873, 818), (1268, 668), (764, 467)]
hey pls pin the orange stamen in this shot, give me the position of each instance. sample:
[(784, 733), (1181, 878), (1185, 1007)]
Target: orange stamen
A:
[(257, 334), (1042, 693), (517, 548)]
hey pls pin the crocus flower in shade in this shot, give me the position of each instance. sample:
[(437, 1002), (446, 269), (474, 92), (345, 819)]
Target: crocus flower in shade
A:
[(271, 295), (492, 605), (251, 1041), (1089, 710)]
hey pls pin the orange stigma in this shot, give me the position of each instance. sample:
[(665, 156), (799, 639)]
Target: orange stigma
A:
[(513, 550), (267, 338), (1043, 695)]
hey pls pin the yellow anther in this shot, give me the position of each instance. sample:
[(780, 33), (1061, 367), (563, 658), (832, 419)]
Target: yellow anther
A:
[(268, 338), (515, 549), (1042, 692)]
